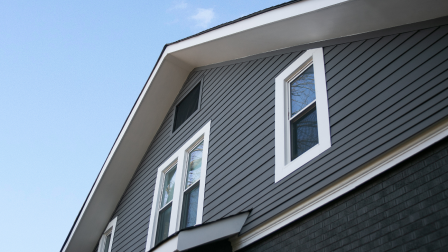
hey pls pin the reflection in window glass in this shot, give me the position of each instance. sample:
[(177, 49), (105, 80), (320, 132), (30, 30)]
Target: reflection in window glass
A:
[(194, 165), (168, 186), (304, 134), (163, 225), (302, 91), (190, 207), (187, 107)]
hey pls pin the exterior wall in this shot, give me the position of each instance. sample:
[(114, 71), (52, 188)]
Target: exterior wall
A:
[(381, 91), (219, 246), (403, 209)]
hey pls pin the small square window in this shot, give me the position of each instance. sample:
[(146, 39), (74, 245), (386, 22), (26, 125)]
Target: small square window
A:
[(302, 125), (187, 107)]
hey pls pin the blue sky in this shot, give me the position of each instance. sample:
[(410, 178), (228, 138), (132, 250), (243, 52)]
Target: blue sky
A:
[(70, 72)]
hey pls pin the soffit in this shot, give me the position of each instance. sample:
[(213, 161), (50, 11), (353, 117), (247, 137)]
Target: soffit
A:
[(299, 23)]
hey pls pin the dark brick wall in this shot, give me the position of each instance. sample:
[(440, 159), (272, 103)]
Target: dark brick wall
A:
[(404, 209)]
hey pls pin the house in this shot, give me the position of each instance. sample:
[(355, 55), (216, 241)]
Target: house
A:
[(311, 125)]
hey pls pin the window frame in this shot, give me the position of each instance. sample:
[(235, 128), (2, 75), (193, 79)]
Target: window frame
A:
[(184, 177), (179, 158), (110, 229), (161, 208), (174, 130), (283, 163)]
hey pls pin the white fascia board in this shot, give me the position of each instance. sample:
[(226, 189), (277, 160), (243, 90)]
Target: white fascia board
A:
[(301, 23), (296, 24), (272, 16), (138, 131)]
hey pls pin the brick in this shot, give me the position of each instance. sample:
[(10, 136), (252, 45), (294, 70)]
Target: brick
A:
[(404, 209)]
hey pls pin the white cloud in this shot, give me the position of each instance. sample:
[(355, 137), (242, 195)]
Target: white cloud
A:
[(203, 17)]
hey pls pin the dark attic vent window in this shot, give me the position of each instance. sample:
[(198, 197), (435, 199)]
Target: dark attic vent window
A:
[(186, 107)]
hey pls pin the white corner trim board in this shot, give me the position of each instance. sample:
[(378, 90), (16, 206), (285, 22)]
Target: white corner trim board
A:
[(276, 15), (346, 184)]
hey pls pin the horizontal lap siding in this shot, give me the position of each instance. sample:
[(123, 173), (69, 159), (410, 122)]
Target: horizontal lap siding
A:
[(374, 73), (381, 91), (403, 209), (134, 208)]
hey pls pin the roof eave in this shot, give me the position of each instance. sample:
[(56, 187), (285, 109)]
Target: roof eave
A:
[(279, 28)]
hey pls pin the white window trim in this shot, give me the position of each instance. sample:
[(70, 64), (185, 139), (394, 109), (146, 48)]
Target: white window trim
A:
[(180, 157), (351, 181), (283, 165), (110, 229)]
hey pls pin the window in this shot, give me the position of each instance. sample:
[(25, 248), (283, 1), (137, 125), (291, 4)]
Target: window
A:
[(302, 128), (179, 191), (187, 107), (107, 238), (191, 190), (163, 223)]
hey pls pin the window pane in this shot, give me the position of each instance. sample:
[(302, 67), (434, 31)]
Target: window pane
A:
[(168, 186), (302, 91), (194, 165), (106, 244), (186, 107), (304, 134), (190, 207), (163, 225)]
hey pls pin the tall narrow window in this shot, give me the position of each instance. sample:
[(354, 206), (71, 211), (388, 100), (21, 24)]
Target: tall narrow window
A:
[(178, 200), (166, 204), (187, 107), (105, 244), (303, 116), (302, 127), (191, 191)]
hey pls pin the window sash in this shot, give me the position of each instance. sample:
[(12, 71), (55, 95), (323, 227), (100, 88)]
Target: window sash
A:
[(163, 223), (171, 168), (107, 238), (107, 242), (312, 139), (303, 111), (284, 165), (291, 79), (187, 165), (186, 206), (179, 157), (292, 118)]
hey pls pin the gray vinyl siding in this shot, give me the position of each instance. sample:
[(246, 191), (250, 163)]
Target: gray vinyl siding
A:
[(381, 91), (403, 209)]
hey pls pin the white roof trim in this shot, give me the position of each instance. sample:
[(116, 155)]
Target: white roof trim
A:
[(203, 234), (273, 16), (295, 24)]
